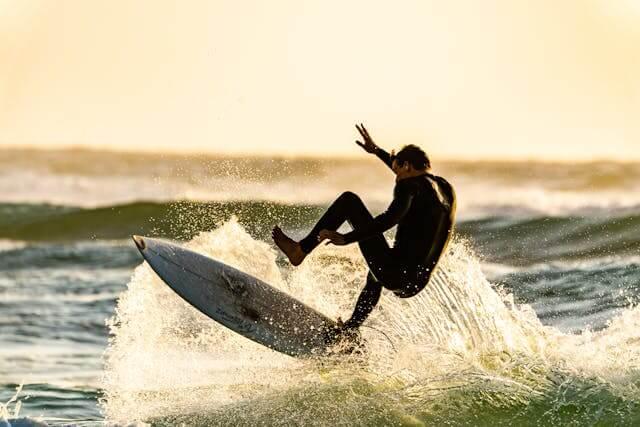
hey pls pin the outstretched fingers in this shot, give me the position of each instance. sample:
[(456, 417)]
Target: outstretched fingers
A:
[(367, 144), (365, 132)]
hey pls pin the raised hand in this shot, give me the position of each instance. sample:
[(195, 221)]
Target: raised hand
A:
[(368, 145)]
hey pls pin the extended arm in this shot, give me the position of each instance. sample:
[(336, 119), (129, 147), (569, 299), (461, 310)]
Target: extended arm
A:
[(371, 147), (392, 216), (384, 156)]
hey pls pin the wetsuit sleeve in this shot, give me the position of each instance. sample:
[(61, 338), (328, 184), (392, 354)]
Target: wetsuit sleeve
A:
[(384, 156), (402, 197)]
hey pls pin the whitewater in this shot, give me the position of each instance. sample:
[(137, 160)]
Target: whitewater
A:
[(460, 352)]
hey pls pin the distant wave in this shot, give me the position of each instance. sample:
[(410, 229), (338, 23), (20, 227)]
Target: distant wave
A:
[(92, 179), (178, 220), (516, 240), (536, 239)]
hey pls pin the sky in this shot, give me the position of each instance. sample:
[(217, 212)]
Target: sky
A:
[(499, 79)]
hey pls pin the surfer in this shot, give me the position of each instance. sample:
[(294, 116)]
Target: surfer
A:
[(423, 208)]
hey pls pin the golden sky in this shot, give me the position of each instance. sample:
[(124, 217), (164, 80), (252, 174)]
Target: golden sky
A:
[(553, 79)]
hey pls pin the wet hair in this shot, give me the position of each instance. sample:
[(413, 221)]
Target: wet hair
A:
[(415, 156)]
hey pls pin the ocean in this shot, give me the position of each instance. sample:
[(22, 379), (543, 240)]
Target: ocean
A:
[(530, 319)]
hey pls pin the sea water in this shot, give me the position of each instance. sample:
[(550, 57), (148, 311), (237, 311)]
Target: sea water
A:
[(530, 319)]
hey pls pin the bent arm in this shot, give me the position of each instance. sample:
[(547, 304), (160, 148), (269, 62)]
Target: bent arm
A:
[(392, 216)]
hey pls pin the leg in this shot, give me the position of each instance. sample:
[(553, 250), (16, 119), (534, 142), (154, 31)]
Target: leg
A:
[(348, 207), (367, 300)]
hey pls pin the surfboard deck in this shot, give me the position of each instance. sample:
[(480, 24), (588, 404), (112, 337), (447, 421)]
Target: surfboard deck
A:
[(239, 301)]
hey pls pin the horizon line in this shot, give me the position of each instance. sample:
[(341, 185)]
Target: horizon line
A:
[(300, 156)]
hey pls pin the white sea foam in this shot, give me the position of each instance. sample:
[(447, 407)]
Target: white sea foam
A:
[(482, 189), (9, 245), (461, 333)]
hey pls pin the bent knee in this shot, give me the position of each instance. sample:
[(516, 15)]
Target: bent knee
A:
[(351, 197)]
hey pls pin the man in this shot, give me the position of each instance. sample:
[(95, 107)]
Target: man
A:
[(423, 208)]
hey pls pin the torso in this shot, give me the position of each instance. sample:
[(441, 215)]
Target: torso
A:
[(423, 232)]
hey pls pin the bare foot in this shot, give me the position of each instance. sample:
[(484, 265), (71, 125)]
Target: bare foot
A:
[(290, 247)]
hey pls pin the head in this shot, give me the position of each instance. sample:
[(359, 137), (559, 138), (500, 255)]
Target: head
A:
[(410, 161)]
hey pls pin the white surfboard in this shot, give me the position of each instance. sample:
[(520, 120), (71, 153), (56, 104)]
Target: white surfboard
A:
[(237, 300)]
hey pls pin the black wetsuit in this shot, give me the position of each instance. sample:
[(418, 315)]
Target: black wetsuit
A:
[(423, 207)]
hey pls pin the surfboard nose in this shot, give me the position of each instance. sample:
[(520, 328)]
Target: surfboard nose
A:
[(139, 241)]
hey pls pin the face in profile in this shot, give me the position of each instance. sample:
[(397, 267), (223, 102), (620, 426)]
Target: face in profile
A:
[(399, 168)]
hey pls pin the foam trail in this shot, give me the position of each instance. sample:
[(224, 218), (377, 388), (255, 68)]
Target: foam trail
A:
[(459, 346)]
